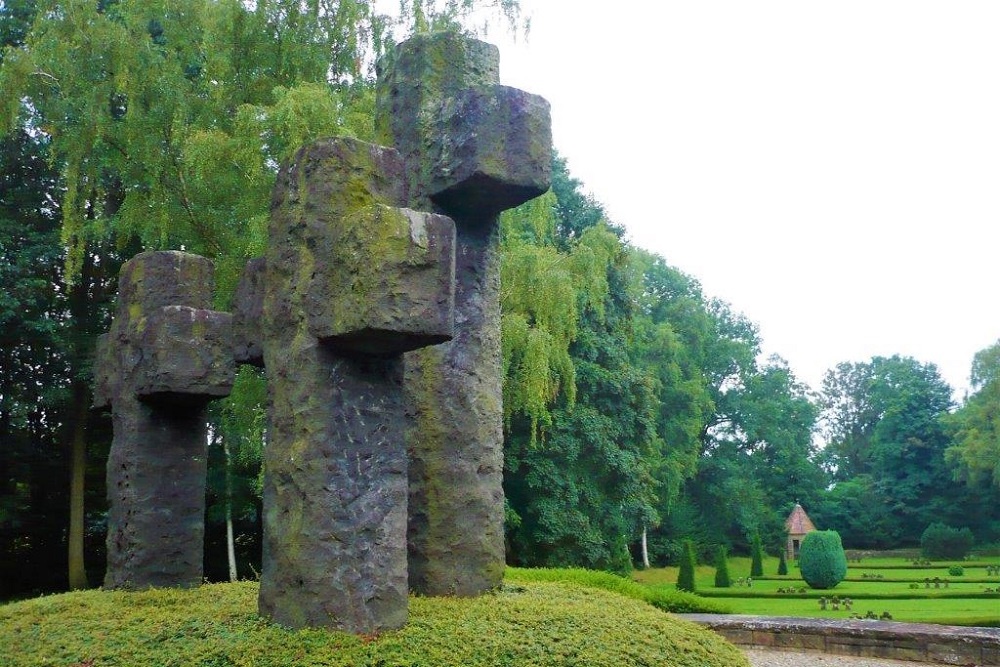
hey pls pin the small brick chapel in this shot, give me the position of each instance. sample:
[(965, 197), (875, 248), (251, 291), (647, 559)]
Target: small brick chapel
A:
[(797, 524)]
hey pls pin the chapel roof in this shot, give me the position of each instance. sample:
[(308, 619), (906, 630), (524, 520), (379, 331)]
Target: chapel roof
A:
[(798, 522)]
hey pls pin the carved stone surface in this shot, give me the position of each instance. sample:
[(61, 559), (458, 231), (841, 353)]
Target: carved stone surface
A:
[(471, 148), (165, 357), (185, 352), (351, 281)]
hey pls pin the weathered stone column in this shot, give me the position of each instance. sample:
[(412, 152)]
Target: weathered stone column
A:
[(165, 357), (472, 148), (351, 281)]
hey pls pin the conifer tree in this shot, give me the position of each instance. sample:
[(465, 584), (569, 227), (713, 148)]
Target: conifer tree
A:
[(782, 565), (685, 578), (757, 562), (722, 569)]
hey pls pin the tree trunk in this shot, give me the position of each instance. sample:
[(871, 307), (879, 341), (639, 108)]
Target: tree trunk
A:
[(230, 545), (645, 550), (78, 471)]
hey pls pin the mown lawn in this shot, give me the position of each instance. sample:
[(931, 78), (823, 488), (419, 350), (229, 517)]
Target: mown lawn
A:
[(963, 602)]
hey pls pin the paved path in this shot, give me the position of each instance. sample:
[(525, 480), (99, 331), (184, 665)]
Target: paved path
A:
[(768, 658)]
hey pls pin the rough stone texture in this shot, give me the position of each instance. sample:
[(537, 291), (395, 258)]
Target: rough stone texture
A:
[(185, 352), (165, 357), (248, 312), (471, 149), (939, 644), (351, 281)]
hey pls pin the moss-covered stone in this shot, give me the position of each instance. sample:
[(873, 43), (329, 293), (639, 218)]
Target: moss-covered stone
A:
[(351, 280), (186, 352), (370, 275), (165, 357), (248, 311), (468, 143), (471, 148)]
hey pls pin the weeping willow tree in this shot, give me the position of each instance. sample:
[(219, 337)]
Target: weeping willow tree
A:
[(544, 289)]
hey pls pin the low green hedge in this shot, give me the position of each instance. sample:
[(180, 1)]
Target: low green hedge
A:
[(662, 597), (525, 623), (815, 594)]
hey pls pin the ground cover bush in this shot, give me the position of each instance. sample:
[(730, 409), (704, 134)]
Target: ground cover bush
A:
[(530, 623), (942, 542), (821, 559)]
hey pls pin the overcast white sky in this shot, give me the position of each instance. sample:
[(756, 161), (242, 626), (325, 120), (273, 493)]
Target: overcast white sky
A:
[(832, 169)]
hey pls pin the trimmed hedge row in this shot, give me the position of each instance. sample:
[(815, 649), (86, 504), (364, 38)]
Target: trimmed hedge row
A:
[(662, 597), (817, 594)]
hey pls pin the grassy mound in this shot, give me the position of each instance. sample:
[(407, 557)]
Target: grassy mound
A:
[(529, 623)]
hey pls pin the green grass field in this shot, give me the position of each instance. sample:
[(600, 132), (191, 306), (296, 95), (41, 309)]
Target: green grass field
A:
[(964, 601)]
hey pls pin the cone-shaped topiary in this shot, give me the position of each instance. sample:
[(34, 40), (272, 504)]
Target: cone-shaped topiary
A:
[(822, 560), (685, 578), (782, 565), (722, 570), (757, 564)]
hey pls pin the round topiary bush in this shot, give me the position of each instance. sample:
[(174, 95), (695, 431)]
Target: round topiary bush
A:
[(822, 560)]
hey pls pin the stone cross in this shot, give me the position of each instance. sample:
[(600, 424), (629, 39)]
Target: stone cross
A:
[(472, 148), (350, 282), (164, 358)]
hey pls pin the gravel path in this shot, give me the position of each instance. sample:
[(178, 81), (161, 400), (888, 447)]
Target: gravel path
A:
[(768, 658)]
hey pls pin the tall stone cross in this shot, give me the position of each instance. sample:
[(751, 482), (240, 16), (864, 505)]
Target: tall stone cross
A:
[(166, 356), (472, 148), (352, 279)]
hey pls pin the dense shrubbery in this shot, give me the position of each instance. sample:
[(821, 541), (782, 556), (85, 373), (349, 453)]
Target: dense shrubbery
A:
[(685, 576), (942, 542), (822, 560), (532, 623), (782, 564)]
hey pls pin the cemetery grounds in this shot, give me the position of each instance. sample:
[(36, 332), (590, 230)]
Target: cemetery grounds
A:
[(922, 593)]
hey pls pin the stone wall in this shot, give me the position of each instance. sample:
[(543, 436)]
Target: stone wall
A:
[(918, 642)]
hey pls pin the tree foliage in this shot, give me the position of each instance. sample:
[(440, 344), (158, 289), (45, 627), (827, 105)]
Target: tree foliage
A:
[(941, 542), (885, 423), (975, 427)]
